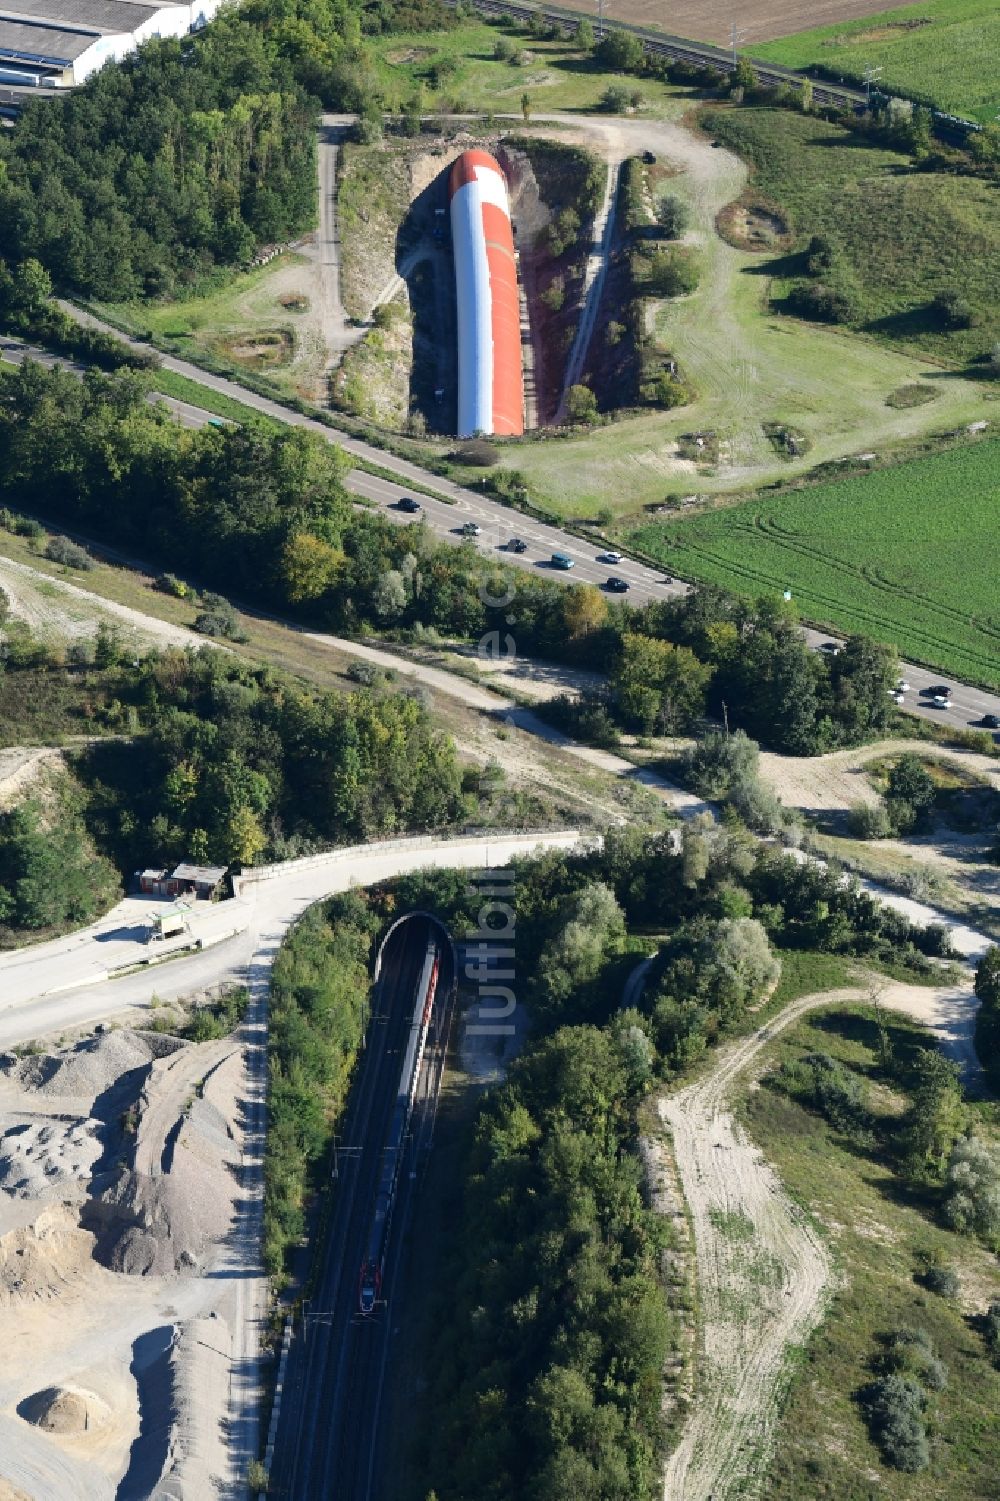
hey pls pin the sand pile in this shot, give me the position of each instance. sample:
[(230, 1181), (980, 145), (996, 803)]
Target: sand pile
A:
[(44, 1260), (43, 1156), (65, 1409), (10, 1492), (108, 1062)]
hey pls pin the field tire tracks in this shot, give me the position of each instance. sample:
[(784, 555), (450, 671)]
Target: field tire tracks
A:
[(763, 1270)]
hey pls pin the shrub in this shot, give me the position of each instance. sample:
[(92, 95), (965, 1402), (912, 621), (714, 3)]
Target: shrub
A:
[(620, 52), (581, 404), (869, 821), (991, 1331), (894, 1407), (70, 554), (672, 216), (909, 794), (942, 1280), (762, 810), (615, 98), (952, 310), (665, 390), (972, 1205), (169, 583), (672, 273), (824, 302), (554, 295), (717, 761)]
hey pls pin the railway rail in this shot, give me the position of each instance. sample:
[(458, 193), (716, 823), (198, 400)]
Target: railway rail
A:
[(826, 93)]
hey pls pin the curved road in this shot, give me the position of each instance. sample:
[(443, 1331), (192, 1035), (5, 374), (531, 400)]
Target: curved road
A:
[(270, 902)]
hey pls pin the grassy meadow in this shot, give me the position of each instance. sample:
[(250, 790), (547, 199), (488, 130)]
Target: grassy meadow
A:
[(455, 71), (905, 234), (936, 50), (880, 1230), (906, 554)]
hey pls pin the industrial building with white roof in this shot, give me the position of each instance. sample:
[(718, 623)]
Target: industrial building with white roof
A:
[(58, 43)]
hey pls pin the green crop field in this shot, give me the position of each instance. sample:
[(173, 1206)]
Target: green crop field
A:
[(940, 51), (906, 554), (905, 234)]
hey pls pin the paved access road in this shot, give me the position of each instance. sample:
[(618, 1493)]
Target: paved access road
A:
[(457, 504), (52, 989)]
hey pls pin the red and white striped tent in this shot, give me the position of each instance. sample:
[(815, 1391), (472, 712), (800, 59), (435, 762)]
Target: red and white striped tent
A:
[(490, 383)]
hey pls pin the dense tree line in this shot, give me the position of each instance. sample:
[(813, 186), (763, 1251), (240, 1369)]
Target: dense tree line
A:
[(548, 1368), (264, 514), (51, 876), (315, 1017), (192, 152), (206, 758), (232, 763), (551, 1319)]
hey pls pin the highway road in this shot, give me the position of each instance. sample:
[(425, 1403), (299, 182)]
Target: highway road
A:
[(449, 506), (328, 1440)]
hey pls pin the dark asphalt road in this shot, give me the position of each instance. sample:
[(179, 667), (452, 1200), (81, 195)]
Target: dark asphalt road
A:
[(450, 506)]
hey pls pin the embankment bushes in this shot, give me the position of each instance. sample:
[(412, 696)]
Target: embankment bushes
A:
[(319, 990)]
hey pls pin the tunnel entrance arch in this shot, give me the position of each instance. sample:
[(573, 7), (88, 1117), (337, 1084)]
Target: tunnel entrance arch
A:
[(451, 973)]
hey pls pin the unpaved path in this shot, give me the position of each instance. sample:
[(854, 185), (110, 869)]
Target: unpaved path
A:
[(20, 766), (832, 783), (763, 1270), (327, 312), (54, 605)]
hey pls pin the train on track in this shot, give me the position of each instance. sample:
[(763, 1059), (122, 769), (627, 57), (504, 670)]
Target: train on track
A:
[(370, 1280)]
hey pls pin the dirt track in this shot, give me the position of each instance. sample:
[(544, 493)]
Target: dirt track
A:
[(762, 1269)]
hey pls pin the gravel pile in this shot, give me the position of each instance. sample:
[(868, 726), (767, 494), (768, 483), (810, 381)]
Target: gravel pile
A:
[(37, 1157), (172, 1218), (91, 1068)]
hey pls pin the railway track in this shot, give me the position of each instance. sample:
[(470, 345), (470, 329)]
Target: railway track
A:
[(698, 54), (951, 128)]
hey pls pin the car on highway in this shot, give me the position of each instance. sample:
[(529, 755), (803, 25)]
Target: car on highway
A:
[(616, 585), (936, 690), (896, 696), (472, 529), (940, 701), (609, 557), (902, 686), (407, 503), (990, 722), (517, 544), (830, 648), (562, 560)]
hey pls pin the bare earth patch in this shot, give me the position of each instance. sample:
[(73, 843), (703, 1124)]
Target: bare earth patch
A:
[(749, 224), (119, 1163), (763, 1270), (761, 20), (832, 783)]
